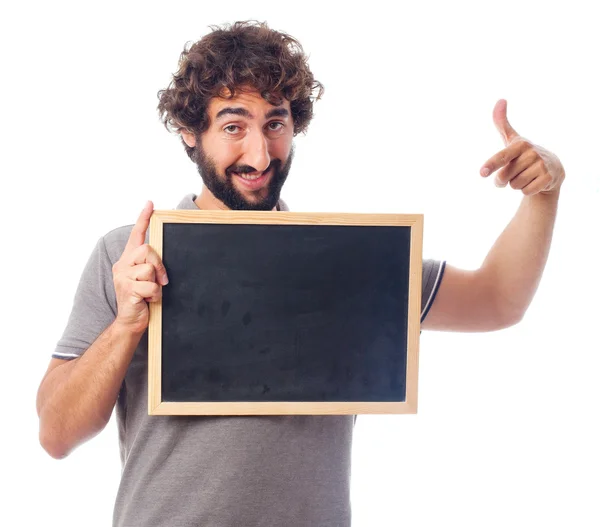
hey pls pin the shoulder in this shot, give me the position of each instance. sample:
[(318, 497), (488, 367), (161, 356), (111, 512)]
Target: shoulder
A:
[(283, 206)]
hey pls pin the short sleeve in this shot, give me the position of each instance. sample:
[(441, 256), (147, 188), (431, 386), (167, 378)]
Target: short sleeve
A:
[(433, 271), (94, 306)]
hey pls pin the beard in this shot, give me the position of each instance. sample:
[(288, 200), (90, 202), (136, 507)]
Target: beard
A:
[(222, 186)]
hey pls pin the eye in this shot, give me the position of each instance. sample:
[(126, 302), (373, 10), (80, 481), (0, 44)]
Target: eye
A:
[(278, 125), (231, 128)]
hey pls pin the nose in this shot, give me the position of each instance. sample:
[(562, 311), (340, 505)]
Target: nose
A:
[(257, 151)]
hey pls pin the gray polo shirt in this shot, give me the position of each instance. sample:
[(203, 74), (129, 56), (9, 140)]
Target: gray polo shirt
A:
[(222, 471)]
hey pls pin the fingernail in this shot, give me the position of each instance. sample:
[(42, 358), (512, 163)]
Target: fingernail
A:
[(485, 171), (165, 280)]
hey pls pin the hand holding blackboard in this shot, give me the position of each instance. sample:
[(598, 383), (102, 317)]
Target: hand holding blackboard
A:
[(138, 276)]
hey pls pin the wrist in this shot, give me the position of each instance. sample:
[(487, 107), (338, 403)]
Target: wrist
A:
[(550, 194), (126, 330)]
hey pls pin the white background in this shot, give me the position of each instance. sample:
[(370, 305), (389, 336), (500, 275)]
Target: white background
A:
[(506, 432)]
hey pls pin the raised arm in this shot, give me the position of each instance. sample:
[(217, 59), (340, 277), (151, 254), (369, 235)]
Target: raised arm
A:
[(497, 295), (76, 397)]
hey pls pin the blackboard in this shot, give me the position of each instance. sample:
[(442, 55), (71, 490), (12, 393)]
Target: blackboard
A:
[(285, 313)]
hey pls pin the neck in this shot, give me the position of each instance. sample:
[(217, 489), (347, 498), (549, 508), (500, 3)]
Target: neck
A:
[(207, 201)]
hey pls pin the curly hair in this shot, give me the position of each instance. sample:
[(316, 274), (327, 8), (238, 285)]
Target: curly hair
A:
[(235, 57)]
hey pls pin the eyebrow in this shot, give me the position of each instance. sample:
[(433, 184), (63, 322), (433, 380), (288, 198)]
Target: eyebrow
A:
[(275, 112)]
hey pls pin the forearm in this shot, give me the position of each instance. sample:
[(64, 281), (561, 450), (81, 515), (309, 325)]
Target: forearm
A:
[(517, 259), (76, 399)]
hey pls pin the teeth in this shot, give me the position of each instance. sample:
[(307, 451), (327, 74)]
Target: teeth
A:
[(246, 176)]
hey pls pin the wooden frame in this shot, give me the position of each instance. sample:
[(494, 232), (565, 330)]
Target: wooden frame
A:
[(415, 221)]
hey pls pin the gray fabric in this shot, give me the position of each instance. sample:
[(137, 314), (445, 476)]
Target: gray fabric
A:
[(213, 471)]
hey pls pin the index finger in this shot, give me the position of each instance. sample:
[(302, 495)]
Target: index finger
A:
[(138, 233), (503, 157)]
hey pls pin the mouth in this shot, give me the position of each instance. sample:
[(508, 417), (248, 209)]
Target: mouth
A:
[(253, 181)]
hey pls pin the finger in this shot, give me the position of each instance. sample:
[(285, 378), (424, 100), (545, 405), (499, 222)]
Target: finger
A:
[(143, 290), (502, 158), (155, 298), (525, 177), (537, 185), (146, 254), (508, 173), (143, 273), (507, 132), (138, 233)]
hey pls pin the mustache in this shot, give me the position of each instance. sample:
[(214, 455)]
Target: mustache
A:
[(247, 169)]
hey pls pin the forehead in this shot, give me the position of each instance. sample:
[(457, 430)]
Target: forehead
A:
[(248, 99)]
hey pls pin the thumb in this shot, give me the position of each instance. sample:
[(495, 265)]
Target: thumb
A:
[(503, 126), (137, 237)]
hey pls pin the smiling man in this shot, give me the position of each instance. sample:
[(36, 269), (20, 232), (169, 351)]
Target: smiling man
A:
[(239, 97), (251, 151)]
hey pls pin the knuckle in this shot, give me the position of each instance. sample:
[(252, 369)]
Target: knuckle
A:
[(144, 272), (156, 296), (138, 272), (532, 156), (118, 280)]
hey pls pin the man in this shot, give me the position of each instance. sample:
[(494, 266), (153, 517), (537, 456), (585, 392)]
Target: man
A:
[(239, 97)]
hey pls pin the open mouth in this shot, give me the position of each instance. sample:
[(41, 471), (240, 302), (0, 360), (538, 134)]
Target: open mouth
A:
[(253, 181)]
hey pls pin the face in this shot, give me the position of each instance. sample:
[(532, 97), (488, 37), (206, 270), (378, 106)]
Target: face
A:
[(246, 153)]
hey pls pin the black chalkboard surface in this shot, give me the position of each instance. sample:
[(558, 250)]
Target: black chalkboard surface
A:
[(285, 313)]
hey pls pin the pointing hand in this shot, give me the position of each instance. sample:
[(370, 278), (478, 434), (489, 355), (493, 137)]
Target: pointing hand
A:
[(527, 167)]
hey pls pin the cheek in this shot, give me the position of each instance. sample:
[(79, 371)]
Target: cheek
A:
[(223, 155), (281, 148), (225, 161)]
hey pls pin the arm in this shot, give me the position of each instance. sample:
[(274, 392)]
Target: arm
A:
[(76, 397), (497, 295)]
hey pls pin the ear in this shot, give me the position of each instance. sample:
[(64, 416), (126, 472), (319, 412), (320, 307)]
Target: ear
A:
[(189, 138)]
